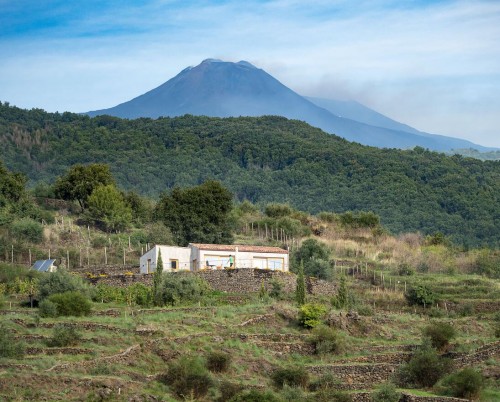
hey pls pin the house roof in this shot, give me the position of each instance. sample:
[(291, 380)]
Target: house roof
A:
[(43, 265), (243, 248)]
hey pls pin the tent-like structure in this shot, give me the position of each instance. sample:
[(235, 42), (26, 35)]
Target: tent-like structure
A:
[(44, 266)]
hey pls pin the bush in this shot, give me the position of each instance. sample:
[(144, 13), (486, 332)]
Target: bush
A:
[(218, 362), (9, 347), (420, 295), (60, 282), (386, 393), (405, 270), (64, 335), (326, 381), (425, 368), (47, 309), (327, 340), (178, 287), (292, 394), (254, 395), (276, 291), (291, 376), (228, 390), (440, 334), (330, 395), (466, 383), (310, 314), (187, 376), (71, 304), (27, 229)]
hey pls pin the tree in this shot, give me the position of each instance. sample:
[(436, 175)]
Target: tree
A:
[(157, 297), (28, 287), (198, 214), (300, 290), (315, 256), (107, 207), (341, 299), (81, 180), (60, 281), (12, 185)]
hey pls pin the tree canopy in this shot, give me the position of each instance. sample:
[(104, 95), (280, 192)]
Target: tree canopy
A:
[(265, 159), (81, 180), (199, 214)]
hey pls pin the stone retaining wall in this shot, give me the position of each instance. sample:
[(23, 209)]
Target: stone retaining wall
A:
[(357, 376), (479, 355), (243, 280)]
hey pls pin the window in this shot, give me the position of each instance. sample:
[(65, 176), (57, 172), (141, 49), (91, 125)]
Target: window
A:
[(216, 261), (174, 264), (268, 263)]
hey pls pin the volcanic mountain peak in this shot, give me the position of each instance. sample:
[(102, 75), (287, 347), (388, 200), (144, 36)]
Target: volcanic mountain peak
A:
[(223, 89)]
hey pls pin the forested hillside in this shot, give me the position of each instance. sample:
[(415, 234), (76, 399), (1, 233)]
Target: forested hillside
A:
[(265, 159)]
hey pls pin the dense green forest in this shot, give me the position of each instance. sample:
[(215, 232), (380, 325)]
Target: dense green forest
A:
[(266, 159)]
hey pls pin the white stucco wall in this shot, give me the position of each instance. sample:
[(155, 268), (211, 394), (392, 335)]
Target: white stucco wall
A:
[(168, 253), (193, 258)]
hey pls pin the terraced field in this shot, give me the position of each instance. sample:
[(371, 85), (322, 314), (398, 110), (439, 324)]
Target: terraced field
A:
[(125, 351)]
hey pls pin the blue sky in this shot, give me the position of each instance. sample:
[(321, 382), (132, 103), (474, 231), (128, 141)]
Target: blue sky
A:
[(434, 65)]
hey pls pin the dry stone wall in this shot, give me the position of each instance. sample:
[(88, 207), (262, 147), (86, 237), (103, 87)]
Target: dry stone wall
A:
[(243, 280)]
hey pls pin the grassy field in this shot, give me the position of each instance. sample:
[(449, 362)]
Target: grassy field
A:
[(124, 351)]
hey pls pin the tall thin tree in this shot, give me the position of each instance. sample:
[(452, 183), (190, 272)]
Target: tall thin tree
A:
[(300, 290), (157, 299)]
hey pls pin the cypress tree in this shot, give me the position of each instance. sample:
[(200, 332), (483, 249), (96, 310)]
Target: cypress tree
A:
[(300, 290), (157, 299)]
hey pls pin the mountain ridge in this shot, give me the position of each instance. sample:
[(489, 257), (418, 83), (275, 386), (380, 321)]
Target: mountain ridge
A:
[(217, 88), (265, 159)]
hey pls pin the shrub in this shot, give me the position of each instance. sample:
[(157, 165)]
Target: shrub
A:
[(64, 335), (177, 288), (276, 210), (292, 394), (47, 309), (310, 314), (187, 376), (327, 340), (386, 393), (326, 381), (9, 347), (440, 334), (425, 367), (60, 282), (139, 294), (228, 390), (466, 309), (71, 304), (218, 362), (488, 263), (405, 270), (276, 291), (342, 299), (420, 295), (254, 395), (291, 376), (27, 229), (466, 383), (330, 395)]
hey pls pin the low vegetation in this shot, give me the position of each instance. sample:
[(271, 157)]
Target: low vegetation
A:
[(417, 306)]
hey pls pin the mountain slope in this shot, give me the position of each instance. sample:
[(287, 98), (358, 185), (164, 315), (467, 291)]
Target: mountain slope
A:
[(265, 159), (223, 89)]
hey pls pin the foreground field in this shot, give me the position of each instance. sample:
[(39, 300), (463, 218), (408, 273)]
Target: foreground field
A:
[(124, 352)]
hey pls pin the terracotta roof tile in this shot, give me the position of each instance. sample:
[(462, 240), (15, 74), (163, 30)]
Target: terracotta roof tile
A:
[(242, 248)]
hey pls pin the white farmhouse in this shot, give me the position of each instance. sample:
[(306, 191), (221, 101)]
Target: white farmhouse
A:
[(198, 256)]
